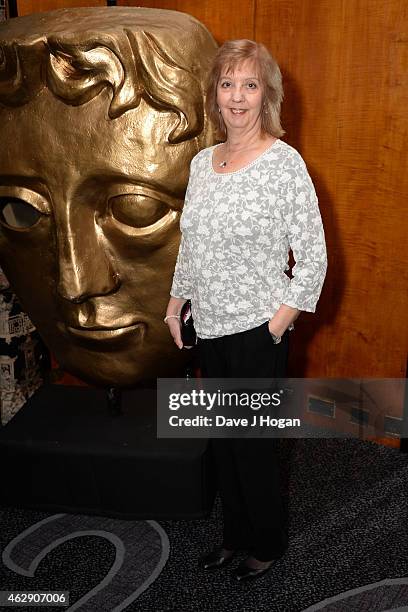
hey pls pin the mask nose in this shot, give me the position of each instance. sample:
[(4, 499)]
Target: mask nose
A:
[(85, 266)]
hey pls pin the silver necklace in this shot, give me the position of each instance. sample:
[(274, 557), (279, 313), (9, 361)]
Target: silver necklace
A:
[(224, 162)]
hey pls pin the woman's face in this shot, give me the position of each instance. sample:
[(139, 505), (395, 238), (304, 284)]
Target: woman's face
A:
[(240, 97)]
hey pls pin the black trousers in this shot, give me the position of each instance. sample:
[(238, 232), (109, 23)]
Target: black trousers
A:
[(247, 469)]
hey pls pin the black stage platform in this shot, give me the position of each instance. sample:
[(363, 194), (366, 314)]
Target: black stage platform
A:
[(63, 451)]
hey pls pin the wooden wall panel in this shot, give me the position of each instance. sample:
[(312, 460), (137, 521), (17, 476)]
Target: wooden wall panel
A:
[(345, 71), (26, 7), (221, 17)]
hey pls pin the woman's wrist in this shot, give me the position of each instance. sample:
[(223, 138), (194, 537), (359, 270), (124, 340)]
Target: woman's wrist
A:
[(171, 316), (275, 330), (282, 319), (174, 308)]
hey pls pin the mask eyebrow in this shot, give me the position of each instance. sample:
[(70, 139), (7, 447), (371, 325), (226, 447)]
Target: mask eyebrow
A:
[(34, 198), (13, 182), (120, 184)]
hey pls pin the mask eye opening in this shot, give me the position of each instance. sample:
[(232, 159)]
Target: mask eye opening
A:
[(17, 214), (137, 210)]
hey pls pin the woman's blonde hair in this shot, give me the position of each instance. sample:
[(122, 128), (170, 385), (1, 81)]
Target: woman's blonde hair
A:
[(229, 56)]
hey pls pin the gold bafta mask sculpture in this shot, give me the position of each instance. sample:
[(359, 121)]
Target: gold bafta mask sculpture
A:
[(101, 111)]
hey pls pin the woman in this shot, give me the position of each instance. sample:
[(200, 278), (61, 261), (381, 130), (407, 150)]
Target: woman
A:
[(249, 200)]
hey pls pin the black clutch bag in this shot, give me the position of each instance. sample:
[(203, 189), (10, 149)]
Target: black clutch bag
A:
[(188, 333)]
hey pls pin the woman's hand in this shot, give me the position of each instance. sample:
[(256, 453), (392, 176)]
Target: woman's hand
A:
[(173, 319), (175, 330)]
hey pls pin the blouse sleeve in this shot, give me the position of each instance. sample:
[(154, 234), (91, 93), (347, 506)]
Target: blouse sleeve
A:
[(181, 287), (182, 278), (306, 238)]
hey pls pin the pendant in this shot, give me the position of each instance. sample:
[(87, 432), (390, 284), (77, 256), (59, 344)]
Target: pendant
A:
[(223, 164)]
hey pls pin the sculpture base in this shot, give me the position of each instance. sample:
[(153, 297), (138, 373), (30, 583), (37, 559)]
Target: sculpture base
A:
[(65, 452)]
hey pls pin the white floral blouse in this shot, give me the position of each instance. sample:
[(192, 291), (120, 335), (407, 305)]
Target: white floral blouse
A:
[(237, 229)]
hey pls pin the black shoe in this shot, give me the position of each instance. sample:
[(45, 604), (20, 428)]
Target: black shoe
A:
[(215, 560), (244, 572)]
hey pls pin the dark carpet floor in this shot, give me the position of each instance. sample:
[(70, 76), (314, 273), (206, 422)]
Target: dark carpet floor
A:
[(347, 518)]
